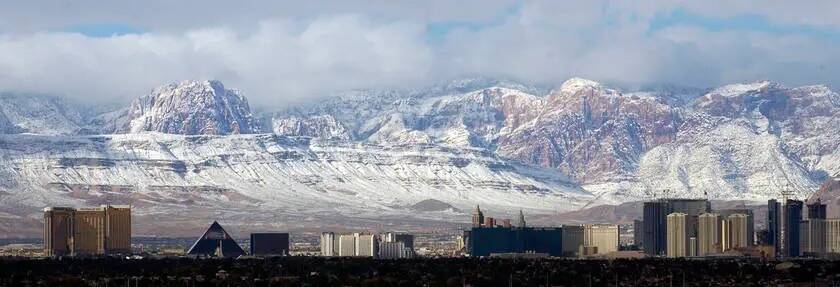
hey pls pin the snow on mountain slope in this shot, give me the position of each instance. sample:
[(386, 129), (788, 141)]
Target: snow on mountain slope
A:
[(612, 142), (191, 108), (742, 142), (472, 119), (377, 153), (325, 127), (167, 174), (753, 167), (43, 115)]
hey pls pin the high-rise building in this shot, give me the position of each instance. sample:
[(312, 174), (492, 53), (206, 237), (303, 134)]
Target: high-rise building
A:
[(329, 244), (506, 223), (489, 222), (216, 242), (774, 225), (793, 217), (736, 232), (812, 240), (367, 245), (117, 229), (266, 244), (572, 240), (394, 250), (398, 246), (520, 221), (87, 231), (677, 231), (477, 217), (460, 244), (708, 234), (816, 210), (604, 237), (346, 245), (58, 231), (466, 237), (725, 213), (408, 239), (692, 246), (352, 244), (691, 207), (832, 236), (638, 233), (654, 223)]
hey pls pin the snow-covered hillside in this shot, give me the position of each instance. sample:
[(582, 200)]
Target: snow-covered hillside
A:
[(394, 154), (265, 173), (40, 114)]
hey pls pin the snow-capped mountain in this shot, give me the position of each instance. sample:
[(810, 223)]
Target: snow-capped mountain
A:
[(190, 108), (368, 154), (741, 141)]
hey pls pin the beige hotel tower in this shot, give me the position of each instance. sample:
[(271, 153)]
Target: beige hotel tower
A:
[(709, 234), (87, 231)]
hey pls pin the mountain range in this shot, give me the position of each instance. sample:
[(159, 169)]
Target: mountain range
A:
[(193, 151)]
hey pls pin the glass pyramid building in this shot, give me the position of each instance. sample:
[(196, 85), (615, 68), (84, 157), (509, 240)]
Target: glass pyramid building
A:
[(216, 242)]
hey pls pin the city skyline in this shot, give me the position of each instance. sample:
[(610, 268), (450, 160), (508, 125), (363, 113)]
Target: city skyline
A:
[(420, 143)]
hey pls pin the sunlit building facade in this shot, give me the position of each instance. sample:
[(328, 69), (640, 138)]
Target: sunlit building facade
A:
[(87, 231)]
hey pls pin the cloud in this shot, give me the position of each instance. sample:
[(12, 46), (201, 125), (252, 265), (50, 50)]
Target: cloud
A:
[(278, 52), (278, 62), (179, 16)]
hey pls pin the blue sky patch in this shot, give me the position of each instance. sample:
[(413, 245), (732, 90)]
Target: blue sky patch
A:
[(437, 31), (744, 22), (105, 30)]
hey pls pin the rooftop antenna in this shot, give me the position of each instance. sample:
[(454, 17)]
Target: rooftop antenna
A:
[(786, 193)]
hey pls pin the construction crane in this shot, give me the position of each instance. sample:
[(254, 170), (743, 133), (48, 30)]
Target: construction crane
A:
[(785, 194)]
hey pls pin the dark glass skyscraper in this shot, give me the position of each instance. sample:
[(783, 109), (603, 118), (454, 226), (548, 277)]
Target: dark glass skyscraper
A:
[(774, 225), (691, 207), (793, 216), (654, 224), (816, 210)]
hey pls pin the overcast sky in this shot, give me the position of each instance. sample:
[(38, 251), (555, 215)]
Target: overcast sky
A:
[(277, 51)]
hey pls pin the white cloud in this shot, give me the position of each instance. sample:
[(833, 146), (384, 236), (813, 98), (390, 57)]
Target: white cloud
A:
[(280, 61), (278, 55)]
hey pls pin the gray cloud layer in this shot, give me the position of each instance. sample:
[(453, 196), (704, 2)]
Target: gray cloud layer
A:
[(279, 52)]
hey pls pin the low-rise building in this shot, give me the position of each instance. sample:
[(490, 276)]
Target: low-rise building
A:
[(268, 244)]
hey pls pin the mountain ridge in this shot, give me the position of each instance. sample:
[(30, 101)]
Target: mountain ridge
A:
[(503, 145)]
